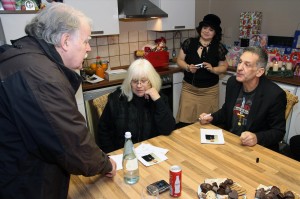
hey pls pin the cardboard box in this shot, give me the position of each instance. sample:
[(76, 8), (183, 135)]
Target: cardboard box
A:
[(115, 74), (158, 59)]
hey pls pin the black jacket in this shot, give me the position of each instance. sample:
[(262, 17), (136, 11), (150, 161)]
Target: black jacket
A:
[(267, 114), (143, 118), (43, 136)]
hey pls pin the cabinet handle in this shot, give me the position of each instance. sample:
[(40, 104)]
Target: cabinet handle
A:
[(179, 27), (166, 86), (100, 32)]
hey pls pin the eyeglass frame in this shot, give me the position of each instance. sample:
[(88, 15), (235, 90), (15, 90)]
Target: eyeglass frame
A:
[(141, 81)]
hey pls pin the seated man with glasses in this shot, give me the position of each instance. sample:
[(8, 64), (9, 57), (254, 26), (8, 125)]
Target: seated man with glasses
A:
[(137, 106), (254, 106)]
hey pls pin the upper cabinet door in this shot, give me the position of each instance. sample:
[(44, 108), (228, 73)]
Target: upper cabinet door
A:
[(181, 15), (104, 14), (14, 25)]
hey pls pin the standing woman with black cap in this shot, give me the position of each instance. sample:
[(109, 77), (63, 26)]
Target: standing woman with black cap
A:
[(200, 89)]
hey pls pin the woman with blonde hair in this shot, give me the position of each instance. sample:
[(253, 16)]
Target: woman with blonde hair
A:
[(137, 106)]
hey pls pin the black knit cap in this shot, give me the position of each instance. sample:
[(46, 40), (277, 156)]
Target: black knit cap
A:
[(210, 20)]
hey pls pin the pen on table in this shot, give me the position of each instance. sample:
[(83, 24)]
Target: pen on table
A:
[(205, 116)]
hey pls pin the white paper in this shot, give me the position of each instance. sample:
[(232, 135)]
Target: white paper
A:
[(94, 79), (150, 155), (157, 153), (118, 159), (211, 136)]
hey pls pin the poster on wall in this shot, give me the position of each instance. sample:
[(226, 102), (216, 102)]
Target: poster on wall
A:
[(296, 41), (258, 40), (250, 24)]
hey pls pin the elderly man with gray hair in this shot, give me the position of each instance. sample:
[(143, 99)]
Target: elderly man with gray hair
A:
[(43, 136)]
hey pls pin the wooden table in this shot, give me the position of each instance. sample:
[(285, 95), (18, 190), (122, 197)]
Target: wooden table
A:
[(198, 162)]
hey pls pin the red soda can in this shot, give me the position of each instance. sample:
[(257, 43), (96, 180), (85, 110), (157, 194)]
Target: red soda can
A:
[(175, 181)]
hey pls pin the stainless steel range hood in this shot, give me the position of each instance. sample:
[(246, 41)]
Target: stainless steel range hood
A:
[(139, 9)]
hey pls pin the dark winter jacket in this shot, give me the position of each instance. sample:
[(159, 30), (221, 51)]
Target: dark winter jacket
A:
[(143, 118), (43, 136)]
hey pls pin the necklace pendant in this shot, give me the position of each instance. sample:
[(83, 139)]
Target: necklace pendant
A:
[(239, 123)]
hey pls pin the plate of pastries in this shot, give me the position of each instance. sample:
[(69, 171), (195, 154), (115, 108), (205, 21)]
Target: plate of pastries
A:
[(220, 188), (274, 192)]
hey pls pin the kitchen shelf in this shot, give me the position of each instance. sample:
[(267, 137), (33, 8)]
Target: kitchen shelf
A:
[(18, 11)]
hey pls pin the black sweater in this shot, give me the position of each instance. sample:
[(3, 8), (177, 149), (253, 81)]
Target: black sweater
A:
[(143, 118)]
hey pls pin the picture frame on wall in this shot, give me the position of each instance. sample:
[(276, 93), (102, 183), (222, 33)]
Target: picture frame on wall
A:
[(258, 40), (30, 5), (296, 41)]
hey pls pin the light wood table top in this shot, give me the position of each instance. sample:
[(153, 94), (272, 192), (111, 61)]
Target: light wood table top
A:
[(198, 162)]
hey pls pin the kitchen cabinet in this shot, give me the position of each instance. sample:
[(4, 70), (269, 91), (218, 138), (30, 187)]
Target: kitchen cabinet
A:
[(14, 25), (295, 111), (80, 101), (104, 14), (177, 87), (222, 87), (181, 15), (295, 118)]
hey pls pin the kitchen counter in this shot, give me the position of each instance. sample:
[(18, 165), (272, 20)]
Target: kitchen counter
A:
[(106, 83), (295, 80)]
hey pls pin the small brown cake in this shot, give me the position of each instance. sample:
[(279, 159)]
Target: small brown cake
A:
[(205, 187), (229, 182), (289, 195), (233, 195), (260, 193), (270, 195), (275, 190), (221, 191), (227, 189)]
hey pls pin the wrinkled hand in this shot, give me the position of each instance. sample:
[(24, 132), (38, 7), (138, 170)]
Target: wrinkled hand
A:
[(114, 169), (205, 118), (152, 92), (248, 139)]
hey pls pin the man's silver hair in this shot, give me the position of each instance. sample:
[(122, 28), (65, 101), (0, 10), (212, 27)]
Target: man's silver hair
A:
[(55, 20)]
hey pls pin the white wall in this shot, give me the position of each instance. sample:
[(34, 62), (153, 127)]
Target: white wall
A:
[(280, 18)]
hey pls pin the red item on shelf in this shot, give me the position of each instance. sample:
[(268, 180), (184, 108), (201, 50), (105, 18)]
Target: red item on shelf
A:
[(158, 59)]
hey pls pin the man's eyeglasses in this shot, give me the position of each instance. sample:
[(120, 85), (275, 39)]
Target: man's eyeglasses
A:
[(142, 82)]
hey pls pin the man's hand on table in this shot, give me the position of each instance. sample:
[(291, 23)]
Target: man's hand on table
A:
[(114, 169), (248, 139), (205, 118)]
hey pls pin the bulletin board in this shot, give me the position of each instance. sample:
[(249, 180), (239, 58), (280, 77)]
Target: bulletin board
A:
[(250, 24)]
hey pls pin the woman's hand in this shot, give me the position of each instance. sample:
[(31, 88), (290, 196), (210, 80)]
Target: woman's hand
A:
[(192, 68), (208, 67), (152, 93)]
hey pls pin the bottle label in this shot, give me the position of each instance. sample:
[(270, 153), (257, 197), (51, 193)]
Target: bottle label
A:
[(131, 165)]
